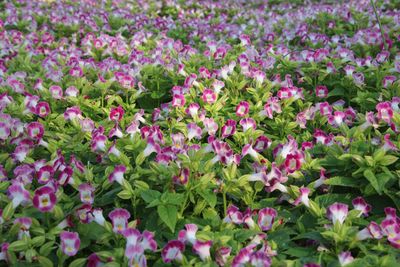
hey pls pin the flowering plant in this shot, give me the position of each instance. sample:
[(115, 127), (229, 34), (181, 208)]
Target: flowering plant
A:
[(186, 133)]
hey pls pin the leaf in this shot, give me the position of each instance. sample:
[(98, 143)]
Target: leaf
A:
[(372, 179), (19, 245), (45, 262), (343, 181), (150, 195), (299, 252), (388, 160), (168, 214), (78, 262)]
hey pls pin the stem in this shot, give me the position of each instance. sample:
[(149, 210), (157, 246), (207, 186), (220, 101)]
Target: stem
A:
[(224, 199), (380, 25)]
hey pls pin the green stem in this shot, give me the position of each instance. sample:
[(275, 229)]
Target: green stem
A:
[(380, 25), (224, 199)]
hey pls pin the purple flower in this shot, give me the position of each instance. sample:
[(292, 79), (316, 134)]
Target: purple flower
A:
[(202, 248), (119, 218), (242, 109), (337, 212), (86, 193), (70, 243), (266, 217), (173, 251), (360, 204), (118, 174), (18, 194), (44, 199), (228, 129)]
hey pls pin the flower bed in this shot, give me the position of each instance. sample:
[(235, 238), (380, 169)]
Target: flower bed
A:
[(199, 133)]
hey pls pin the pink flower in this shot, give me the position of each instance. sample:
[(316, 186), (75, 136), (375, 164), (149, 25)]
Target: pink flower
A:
[(209, 96), (118, 174), (119, 218), (337, 119), (228, 129), (373, 230), (242, 109), (5, 130), (44, 199), (222, 255), (202, 248), (35, 130), (194, 131), (25, 223), (173, 251), (293, 162), (337, 212), (42, 109), (210, 126), (86, 193), (325, 109), (262, 143), (72, 113), (193, 109), (45, 174), (116, 114), (70, 243), (303, 197), (248, 123), (385, 111), (233, 215), (321, 91), (178, 100), (56, 91), (18, 194), (360, 204), (151, 147), (266, 217), (188, 235), (183, 177)]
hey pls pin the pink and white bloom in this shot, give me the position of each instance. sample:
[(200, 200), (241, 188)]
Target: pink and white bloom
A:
[(228, 129), (5, 130), (116, 114), (35, 130), (119, 218), (385, 111), (233, 215), (337, 212), (194, 131), (18, 195), (266, 217), (45, 174), (248, 123), (345, 258), (173, 251), (188, 235), (118, 174), (178, 100), (321, 91), (360, 204), (209, 96), (373, 230), (202, 248), (242, 109), (42, 109), (70, 243), (303, 197), (86, 193), (44, 199), (56, 91), (25, 223)]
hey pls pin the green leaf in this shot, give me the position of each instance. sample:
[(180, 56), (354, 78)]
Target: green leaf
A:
[(45, 262), (388, 160), (372, 179), (343, 181), (19, 245), (150, 195), (78, 262), (168, 214)]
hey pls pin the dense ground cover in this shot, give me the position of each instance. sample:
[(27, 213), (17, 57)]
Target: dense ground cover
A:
[(199, 133)]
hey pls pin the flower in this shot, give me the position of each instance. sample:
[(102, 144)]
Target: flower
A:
[(116, 114), (345, 258), (360, 204), (266, 217), (178, 100), (188, 235), (44, 199), (202, 248), (385, 111), (173, 251), (18, 194), (228, 129), (119, 218), (86, 193), (337, 212), (209, 96), (70, 243), (373, 230), (242, 109), (35, 130), (303, 197), (118, 174)]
